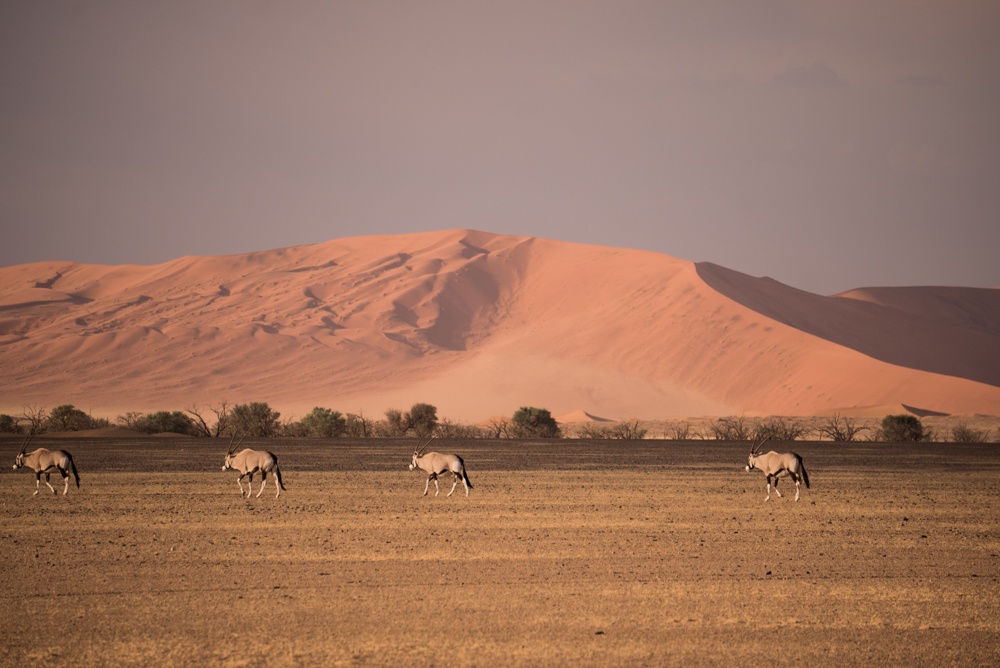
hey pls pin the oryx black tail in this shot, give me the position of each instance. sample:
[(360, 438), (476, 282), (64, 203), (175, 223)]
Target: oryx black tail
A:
[(72, 466), (277, 472)]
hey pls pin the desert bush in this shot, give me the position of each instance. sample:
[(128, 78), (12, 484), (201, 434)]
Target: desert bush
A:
[(8, 425), (68, 418), (324, 423), (421, 419), (255, 419), (392, 426), (531, 422), (901, 429), (840, 429), (963, 433), (174, 422)]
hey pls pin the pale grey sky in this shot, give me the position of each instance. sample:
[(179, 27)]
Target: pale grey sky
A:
[(829, 145)]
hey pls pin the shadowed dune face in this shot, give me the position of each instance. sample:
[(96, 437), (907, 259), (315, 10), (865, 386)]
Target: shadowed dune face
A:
[(950, 331), (479, 324)]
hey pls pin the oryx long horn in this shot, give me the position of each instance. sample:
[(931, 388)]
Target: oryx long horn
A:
[(420, 449), (27, 439), (758, 444), (232, 448)]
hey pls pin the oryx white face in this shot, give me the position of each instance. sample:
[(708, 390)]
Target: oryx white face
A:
[(750, 460), (228, 464), (19, 462), (413, 462)]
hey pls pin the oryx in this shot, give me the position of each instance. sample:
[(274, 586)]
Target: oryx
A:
[(248, 462), (43, 460), (776, 465), (434, 463)]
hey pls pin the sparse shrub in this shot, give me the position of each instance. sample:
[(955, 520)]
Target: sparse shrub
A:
[(530, 422), (963, 433), (902, 429)]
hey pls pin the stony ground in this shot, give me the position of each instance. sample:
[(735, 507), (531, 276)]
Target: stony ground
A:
[(566, 553)]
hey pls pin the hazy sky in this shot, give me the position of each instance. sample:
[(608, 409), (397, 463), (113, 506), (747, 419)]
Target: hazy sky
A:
[(829, 145)]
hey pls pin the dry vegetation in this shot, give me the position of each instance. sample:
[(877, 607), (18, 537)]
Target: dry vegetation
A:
[(567, 553)]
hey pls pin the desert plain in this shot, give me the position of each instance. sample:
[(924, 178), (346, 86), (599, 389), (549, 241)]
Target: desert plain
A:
[(565, 553)]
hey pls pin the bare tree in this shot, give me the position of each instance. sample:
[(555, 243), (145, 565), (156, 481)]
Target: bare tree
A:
[(498, 427), (36, 417), (222, 415), (731, 429), (627, 430), (840, 429), (592, 430), (132, 420), (359, 426), (678, 431), (778, 429), (963, 433)]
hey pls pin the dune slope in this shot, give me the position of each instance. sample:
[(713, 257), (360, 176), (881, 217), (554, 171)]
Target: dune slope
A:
[(479, 324)]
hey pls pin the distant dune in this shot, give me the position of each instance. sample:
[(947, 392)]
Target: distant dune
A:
[(480, 324)]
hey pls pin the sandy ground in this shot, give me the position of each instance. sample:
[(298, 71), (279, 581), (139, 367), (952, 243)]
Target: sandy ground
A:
[(566, 553)]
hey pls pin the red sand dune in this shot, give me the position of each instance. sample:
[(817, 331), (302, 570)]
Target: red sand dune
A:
[(479, 324)]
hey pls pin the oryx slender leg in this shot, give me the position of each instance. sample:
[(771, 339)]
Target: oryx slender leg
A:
[(427, 484), (776, 487), (239, 481), (38, 483), (65, 475), (454, 485), (796, 490), (49, 484), (277, 487), (263, 482)]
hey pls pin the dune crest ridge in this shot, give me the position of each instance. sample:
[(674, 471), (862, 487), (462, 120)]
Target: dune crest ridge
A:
[(480, 324)]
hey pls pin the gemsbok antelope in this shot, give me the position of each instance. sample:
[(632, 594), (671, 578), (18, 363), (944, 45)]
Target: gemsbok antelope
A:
[(248, 462), (43, 460), (776, 465), (434, 463)]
